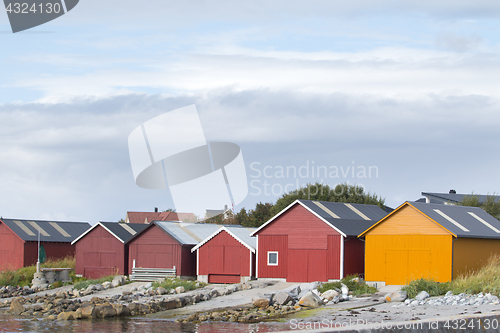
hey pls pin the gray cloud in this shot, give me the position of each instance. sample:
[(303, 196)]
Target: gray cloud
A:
[(70, 160)]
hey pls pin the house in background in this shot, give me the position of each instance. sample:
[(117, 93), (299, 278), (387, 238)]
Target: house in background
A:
[(314, 241), (226, 256), (19, 241), (433, 241), (452, 197), (168, 244), (101, 250), (148, 217)]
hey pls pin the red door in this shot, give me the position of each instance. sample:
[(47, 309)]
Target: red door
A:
[(225, 264), (306, 265)]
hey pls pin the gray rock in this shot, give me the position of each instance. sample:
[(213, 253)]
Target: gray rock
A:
[(282, 298), (262, 301), (330, 294), (115, 283), (16, 307), (99, 287), (422, 295), (344, 289), (106, 285), (310, 300), (396, 296), (294, 291), (148, 285), (179, 290)]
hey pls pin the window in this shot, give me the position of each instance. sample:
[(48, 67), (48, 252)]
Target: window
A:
[(272, 258)]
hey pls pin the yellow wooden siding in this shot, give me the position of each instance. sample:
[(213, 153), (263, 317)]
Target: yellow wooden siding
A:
[(408, 221), (398, 259), (470, 254)]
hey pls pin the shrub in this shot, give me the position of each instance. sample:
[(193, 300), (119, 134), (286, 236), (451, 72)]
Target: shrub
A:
[(172, 283), (351, 282), (432, 287)]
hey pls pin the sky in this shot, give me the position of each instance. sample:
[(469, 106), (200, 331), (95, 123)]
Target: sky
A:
[(405, 94)]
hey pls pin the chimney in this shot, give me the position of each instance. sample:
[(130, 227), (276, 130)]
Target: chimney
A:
[(453, 192), (156, 209), (225, 207)]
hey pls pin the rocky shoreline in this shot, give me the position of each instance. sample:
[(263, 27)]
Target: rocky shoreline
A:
[(74, 304)]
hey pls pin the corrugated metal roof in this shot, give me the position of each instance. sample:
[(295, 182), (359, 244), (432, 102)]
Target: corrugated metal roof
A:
[(188, 233), (465, 216), (241, 234), (53, 231)]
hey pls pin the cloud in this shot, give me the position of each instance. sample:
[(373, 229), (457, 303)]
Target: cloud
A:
[(458, 43), (69, 160)]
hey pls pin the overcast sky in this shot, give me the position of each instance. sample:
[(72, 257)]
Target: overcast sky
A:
[(406, 89)]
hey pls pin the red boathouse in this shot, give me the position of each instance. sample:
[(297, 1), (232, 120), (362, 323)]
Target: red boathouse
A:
[(101, 250), (314, 241), (167, 244), (19, 241), (226, 256)]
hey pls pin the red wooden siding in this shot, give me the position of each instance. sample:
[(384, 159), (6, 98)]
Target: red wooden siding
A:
[(11, 249), (14, 253), (154, 248), (308, 248), (278, 243), (224, 259), (53, 250), (354, 252), (333, 257), (99, 254)]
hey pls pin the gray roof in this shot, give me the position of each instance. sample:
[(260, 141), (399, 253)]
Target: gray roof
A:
[(348, 220), (453, 197), (50, 231), (242, 235), (186, 233), (461, 220)]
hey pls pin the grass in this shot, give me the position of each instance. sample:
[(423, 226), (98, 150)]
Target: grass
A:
[(23, 276), (172, 283), (85, 283), (357, 288), (486, 280)]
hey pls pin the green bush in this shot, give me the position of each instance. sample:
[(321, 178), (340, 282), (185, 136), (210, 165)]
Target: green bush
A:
[(351, 282), (432, 287), (23, 276), (172, 283)]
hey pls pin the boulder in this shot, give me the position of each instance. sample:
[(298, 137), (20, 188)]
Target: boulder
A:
[(161, 291), (105, 311), (88, 312), (66, 316), (330, 294), (106, 285), (99, 287), (16, 307), (282, 298), (310, 300), (115, 283), (261, 301), (121, 310), (148, 285), (294, 291), (396, 296), (422, 295), (179, 289)]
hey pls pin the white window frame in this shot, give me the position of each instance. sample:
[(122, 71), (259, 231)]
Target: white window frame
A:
[(277, 256)]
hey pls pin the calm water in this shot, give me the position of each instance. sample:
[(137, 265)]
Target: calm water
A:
[(136, 325)]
